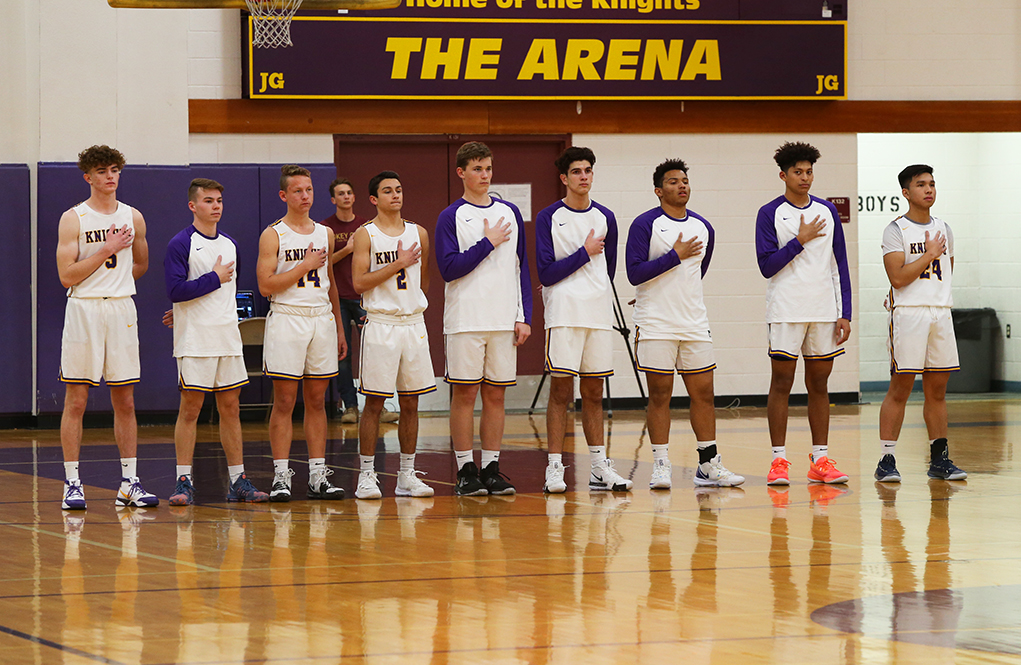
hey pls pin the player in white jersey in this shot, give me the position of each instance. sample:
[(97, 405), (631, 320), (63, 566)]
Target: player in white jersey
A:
[(918, 253), (303, 340), (101, 251), (202, 284), (390, 268), (480, 251), (576, 255), (668, 253), (808, 305)]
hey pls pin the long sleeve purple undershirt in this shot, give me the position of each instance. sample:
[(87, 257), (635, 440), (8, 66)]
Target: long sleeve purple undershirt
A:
[(552, 271), (636, 255), (175, 269)]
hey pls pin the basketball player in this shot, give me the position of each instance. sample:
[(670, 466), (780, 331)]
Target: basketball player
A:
[(800, 247), (303, 337), (343, 223), (202, 284), (668, 253), (487, 311), (390, 269), (101, 251), (576, 255), (918, 252)]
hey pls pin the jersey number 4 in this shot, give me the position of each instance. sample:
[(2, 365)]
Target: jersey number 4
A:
[(312, 277), (935, 269)]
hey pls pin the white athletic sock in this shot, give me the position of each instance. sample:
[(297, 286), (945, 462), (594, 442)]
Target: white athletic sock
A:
[(819, 451), (185, 470), (128, 467), (71, 470), (779, 452), (463, 457), (234, 471), (489, 456), (557, 458), (889, 447), (407, 461), (316, 468), (597, 454), (660, 451), (280, 466), (366, 462)]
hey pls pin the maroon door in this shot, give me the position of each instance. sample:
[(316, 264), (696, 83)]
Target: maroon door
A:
[(426, 165)]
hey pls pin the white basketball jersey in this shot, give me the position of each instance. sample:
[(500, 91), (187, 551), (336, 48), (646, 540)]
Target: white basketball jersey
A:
[(932, 288), (402, 294), (112, 279), (671, 304), (313, 289)]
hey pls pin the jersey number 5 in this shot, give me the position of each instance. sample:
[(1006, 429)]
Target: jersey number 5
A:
[(312, 277), (402, 280), (111, 262), (936, 270)]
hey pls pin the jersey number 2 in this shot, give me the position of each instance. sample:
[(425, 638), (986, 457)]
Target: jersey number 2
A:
[(402, 280)]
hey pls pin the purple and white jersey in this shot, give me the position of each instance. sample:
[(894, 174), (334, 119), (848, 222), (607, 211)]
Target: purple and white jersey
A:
[(668, 291), (577, 289), (932, 288), (809, 283), (205, 311), (113, 279), (313, 289), (488, 289)]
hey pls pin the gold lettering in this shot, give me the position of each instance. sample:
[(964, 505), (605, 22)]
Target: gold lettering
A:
[(623, 53), (704, 60), (482, 52), (581, 58), (657, 57), (402, 48), (434, 58), (540, 59)]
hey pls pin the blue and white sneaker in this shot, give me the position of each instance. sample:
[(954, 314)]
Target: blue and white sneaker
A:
[(184, 493), (714, 474), (74, 495), (244, 491), (132, 493), (941, 467), (886, 471)]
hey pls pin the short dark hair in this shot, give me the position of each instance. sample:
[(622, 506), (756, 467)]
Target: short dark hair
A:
[(470, 151), (666, 167), (572, 155), (289, 171), (790, 154), (98, 156), (910, 172), (339, 181), (202, 183), (380, 177)]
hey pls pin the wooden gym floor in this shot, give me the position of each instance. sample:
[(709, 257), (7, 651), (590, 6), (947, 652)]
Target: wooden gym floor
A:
[(922, 572)]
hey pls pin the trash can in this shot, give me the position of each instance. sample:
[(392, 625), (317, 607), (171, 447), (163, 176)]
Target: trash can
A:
[(974, 330)]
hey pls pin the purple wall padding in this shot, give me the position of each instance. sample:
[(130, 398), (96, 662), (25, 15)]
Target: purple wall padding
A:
[(251, 202), (16, 281)]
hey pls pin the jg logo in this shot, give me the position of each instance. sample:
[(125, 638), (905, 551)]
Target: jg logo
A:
[(824, 83), (274, 80)]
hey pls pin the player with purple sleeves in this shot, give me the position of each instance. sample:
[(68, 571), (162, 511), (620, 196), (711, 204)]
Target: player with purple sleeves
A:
[(202, 283), (808, 305), (487, 312), (576, 256), (668, 253)]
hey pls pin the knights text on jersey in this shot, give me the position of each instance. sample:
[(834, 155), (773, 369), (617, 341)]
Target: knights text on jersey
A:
[(402, 294), (932, 288), (113, 279), (313, 289)]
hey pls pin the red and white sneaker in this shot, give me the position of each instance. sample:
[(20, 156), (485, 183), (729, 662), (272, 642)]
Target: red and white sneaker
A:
[(778, 472), (823, 471)]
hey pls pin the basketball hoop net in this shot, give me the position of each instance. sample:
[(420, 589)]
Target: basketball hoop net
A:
[(271, 21)]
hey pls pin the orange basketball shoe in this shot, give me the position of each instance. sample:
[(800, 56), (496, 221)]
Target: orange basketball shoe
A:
[(823, 471), (778, 472)]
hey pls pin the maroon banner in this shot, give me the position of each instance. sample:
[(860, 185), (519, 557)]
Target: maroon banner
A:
[(608, 50)]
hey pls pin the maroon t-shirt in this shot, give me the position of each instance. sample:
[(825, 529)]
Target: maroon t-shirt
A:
[(342, 231)]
